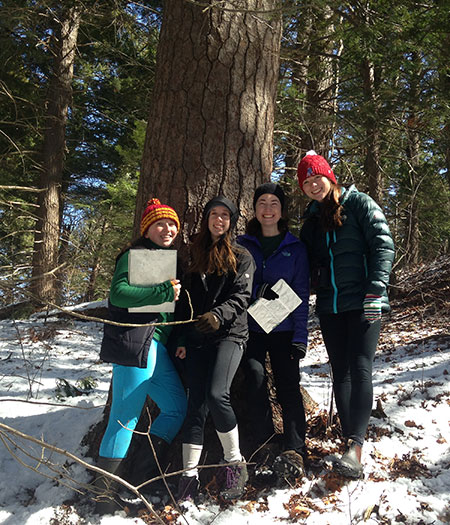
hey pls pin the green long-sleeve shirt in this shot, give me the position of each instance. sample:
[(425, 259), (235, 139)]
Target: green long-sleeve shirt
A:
[(124, 295)]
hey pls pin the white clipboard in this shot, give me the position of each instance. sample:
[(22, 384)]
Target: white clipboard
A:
[(147, 267), (270, 313)]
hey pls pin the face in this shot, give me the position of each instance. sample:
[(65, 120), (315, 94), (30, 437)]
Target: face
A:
[(317, 187), (162, 232), (268, 210), (219, 221)]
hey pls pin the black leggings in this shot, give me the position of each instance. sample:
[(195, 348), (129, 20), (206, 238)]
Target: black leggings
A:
[(209, 373), (351, 342), (286, 375)]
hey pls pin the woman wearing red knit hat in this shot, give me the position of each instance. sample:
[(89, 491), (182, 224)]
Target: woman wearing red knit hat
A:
[(141, 364), (351, 251)]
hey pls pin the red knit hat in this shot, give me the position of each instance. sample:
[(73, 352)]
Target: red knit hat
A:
[(313, 164), (156, 211)]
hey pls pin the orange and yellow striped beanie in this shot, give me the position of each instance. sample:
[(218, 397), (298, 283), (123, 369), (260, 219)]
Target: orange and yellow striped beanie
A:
[(156, 211)]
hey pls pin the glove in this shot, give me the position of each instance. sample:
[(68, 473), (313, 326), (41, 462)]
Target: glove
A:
[(207, 323), (372, 308), (266, 292), (298, 350)]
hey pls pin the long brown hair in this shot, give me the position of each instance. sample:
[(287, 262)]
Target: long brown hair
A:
[(331, 215), (208, 256)]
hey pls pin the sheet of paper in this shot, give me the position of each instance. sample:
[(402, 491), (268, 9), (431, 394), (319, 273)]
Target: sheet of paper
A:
[(147, 267), (269, 314)]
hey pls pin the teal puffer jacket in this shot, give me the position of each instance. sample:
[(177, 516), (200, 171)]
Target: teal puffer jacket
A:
[(351, 261)]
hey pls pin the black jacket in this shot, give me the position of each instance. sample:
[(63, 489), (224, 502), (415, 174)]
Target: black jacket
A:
[(124, 345), (227, 296)]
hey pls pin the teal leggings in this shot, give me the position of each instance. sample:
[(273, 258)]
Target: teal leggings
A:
[(130, 387)]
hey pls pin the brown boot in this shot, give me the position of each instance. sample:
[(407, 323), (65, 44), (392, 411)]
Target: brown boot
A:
[(349, 465)]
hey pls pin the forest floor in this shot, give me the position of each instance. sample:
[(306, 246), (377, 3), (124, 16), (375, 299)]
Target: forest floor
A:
[(53, 390)]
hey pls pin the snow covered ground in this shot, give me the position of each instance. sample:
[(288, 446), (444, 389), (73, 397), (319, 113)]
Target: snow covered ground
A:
[(406, 457)]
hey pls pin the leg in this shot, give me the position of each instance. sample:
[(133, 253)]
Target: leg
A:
[(197, 365), (228, 355), (335, 335), (167, 391), (254, 366), (363, 343), (286, 375), (129, 391)]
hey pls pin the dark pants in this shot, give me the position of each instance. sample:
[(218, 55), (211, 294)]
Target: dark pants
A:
[(286, 375), (210, 371), (351, 342)]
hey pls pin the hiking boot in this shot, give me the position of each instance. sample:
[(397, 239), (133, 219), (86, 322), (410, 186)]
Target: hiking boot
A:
[(263, 464), (107, 501), (147, 466), (234, 476), (289, 464), (349, 465), (188, 487)]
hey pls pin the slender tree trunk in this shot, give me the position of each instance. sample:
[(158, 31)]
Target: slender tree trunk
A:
[(211, 124), (372, 160), (45, 260), (95, 264), (313, 74)]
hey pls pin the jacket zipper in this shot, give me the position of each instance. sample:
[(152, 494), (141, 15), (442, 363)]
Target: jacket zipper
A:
[(333, 277)]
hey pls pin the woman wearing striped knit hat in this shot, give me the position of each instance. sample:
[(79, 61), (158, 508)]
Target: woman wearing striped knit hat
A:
[(141, 364), (350, 251)]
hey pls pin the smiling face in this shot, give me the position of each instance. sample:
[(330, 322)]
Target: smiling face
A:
[(317, 187), (268, 213), (162, 232), (219, 220)]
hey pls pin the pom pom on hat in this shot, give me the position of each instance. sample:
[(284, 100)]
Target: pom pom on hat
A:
[(156, 211), (313, 164)]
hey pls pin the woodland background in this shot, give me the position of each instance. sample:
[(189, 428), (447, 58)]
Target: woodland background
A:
[(106, 103)]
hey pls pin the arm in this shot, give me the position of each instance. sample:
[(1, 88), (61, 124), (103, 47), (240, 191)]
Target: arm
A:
[(239, 297), (123, 295), (380, 245)]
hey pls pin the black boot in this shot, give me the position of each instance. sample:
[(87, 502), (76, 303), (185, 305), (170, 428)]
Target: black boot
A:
[(147, 468), (107, 500), (289, 464), (349, 465)]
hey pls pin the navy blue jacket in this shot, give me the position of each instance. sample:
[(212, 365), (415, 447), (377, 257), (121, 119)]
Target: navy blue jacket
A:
[(288, 262)]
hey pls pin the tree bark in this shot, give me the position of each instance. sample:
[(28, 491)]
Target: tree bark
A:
[(372, 160), (211, 124), (45, 259)]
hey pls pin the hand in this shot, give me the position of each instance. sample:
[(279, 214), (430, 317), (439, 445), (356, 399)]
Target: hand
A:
[(207, 323), (266, 292), (298, 350), (176, 289), (372, 308), (180, 352)]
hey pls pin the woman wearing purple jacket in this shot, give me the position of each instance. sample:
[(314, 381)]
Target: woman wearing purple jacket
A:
[(278, 255)]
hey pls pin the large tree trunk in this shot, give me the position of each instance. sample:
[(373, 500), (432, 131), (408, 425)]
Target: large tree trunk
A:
[(45, 260), (211, 124)]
